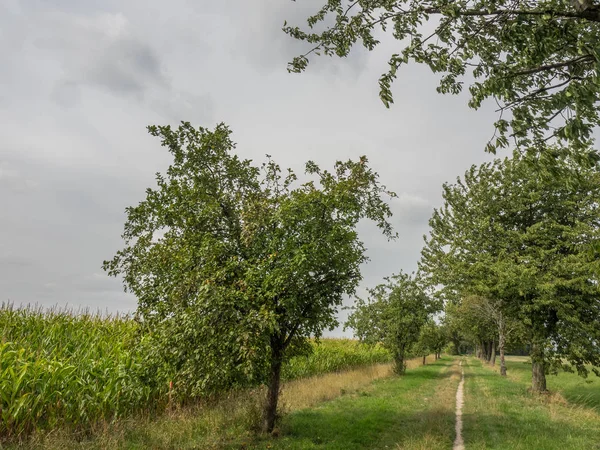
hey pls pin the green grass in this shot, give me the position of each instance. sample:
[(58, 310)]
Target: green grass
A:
[(500, 413), (415, 411), (575, 389)]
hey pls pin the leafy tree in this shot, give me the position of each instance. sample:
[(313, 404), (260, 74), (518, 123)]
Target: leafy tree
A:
[(453, 326), (426, 340), (539, 60), (518, 232), (235, 265), (438, 339), (393, 316)]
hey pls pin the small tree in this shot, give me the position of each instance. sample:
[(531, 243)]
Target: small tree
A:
[(235, 266), (423, 346), (393, 315)]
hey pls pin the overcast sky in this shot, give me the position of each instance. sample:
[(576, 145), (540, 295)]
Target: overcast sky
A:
[(81, 80)]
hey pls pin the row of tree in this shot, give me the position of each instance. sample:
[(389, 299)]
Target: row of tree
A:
[(513, 256), (513, 251), (235, 265)]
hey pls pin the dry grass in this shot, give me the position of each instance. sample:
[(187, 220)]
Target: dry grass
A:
[(304, 393), (307, 392)]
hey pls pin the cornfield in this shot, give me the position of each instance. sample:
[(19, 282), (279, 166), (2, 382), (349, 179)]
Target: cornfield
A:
[(334, 355), (59, 369)]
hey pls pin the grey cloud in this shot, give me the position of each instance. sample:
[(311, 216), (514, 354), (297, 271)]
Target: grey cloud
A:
[(15, 260), (13, 180), (126, 66), (84, 79)]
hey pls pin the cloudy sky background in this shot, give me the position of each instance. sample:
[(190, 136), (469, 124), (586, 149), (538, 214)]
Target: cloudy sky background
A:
[(80, 81)]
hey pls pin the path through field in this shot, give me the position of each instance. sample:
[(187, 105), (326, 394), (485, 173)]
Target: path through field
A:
[(416, 411), (453, 403), (458, 441)]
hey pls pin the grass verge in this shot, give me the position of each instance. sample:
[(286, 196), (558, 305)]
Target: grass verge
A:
[(500, 413), (415, 411)]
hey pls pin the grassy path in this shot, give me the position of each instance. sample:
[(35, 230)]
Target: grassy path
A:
[(416, 411), (500, 413)]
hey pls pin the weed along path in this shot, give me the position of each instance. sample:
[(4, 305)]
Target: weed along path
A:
[(415, 411)]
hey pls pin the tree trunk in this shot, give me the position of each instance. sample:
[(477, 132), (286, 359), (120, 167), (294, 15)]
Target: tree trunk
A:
[(424, 356), (493, 359), (501, 342), (270, 413), (538, 369), (399, 365)]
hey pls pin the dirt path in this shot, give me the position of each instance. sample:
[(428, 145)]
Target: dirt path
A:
[(458, 442)]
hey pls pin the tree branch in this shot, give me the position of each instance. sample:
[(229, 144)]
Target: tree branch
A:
[(552, 66)]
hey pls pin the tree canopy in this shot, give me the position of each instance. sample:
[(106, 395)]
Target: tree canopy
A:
[(519, 232), (236, 265), (539, 60)]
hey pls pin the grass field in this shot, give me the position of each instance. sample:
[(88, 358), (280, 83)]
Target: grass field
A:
[(415, 411), (501, 413)]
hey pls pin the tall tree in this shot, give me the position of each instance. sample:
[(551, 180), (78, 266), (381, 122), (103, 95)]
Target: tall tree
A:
[(393, 316), (519, 231), (539, 60), (238, 265)]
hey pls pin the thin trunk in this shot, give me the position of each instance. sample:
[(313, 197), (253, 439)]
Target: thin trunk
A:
[(538, 369), (399, 364), (424, 356), (501, 342), (489, 352), (270, 414), (493, 361)]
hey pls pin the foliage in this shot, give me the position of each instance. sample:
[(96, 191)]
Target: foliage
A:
[(519, 231), (392, 316), (235, 266), (539, 60), (431, 339)]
